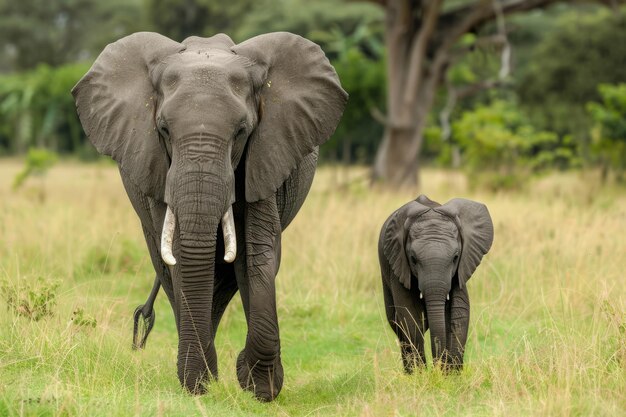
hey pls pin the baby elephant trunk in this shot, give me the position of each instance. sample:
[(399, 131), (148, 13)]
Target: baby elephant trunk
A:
[(435, 298)]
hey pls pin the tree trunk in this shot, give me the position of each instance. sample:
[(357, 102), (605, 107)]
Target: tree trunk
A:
[(397, 158), (412, 82), (394, 165)]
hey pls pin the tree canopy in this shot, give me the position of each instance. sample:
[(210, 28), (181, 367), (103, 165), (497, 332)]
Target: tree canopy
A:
[(467, 60)]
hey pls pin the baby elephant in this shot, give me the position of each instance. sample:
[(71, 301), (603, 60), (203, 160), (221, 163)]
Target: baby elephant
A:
[(427, 252)]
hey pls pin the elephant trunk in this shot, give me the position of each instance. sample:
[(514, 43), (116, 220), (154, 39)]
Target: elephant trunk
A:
[(201, 204), (435, 298)]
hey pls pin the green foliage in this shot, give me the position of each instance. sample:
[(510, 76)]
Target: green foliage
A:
[(37, 163), (37, 109), (33, 299), (82, 319), (363, 77), (60, 31), (501, 148), (585, 48), (311, 19), (609, 132), (179, 19)]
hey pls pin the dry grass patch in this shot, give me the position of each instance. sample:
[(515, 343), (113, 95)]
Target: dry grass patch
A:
[(547, 332)]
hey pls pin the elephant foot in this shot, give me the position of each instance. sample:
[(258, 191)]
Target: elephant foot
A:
[(412, 359), (453, 364), (264, 381), (143, 321), (195, 381), (196, 373), (195, 386)]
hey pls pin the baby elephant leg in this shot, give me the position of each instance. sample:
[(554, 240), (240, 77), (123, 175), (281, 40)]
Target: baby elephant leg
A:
[(407, 319), (457, 318)]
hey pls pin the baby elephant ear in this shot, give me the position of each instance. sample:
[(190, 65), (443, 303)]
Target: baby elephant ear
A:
[(116, 101), (301, 103), (393, 240), (476, 232)]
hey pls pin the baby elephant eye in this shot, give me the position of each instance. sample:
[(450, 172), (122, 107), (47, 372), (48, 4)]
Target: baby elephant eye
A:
[(413, 259), (456, 257)]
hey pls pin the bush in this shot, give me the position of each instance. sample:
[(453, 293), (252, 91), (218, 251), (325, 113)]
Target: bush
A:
[(33, 300), (585, 48), (82, 319), (609, 131), (500, 148), (37, 109), (38, 162)]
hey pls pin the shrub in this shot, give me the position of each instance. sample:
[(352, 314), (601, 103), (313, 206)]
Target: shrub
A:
[(82, 319), (609, 131), (501, 149), (37, 109), (38, 162), (33, 300)]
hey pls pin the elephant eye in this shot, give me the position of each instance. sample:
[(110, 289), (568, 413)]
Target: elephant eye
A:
[(413, 259), (456, 257), (163, 128), (240, 132)]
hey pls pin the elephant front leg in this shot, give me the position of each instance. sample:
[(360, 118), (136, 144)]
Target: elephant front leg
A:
[(458, 315), (259, 368), (406, 317)]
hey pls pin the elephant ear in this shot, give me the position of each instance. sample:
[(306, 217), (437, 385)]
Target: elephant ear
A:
[(425, 201), (476, 230), (116, 103), (393, 239), (301, 103)]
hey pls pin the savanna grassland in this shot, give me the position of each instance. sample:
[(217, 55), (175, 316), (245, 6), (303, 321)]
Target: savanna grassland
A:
[(548, 325)]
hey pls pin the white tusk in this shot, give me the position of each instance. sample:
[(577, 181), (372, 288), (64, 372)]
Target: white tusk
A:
[(167, 236), (230, 237), (421, 295), (448, 296)]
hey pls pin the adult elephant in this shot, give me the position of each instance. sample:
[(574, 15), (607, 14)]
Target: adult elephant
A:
[(217, 146)]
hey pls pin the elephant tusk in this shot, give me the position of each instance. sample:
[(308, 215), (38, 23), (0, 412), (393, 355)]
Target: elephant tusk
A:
[(167, 236), (448, 296), (421, 295), (230, 237)]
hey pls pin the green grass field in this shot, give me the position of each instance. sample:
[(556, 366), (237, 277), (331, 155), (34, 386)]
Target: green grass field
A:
[(547, 334)]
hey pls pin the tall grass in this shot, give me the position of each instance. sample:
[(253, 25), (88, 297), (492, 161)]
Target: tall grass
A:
[(547, 335)]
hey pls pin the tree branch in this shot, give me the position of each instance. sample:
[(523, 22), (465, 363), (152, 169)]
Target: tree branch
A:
[(469, 17), (418, 50), (387, 122)]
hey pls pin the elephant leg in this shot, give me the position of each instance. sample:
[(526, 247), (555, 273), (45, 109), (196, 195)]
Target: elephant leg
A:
[(223, 291), (457, 317), (408, 321), (259, 367)]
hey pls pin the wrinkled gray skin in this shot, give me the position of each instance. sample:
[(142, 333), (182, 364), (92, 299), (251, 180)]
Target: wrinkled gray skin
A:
[(199, 126), (427, 252)]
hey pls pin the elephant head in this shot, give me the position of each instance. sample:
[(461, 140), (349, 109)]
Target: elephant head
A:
[(437, 246), (179, 117)]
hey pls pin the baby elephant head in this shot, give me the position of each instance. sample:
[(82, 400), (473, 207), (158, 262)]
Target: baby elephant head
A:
[(436, 246)]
